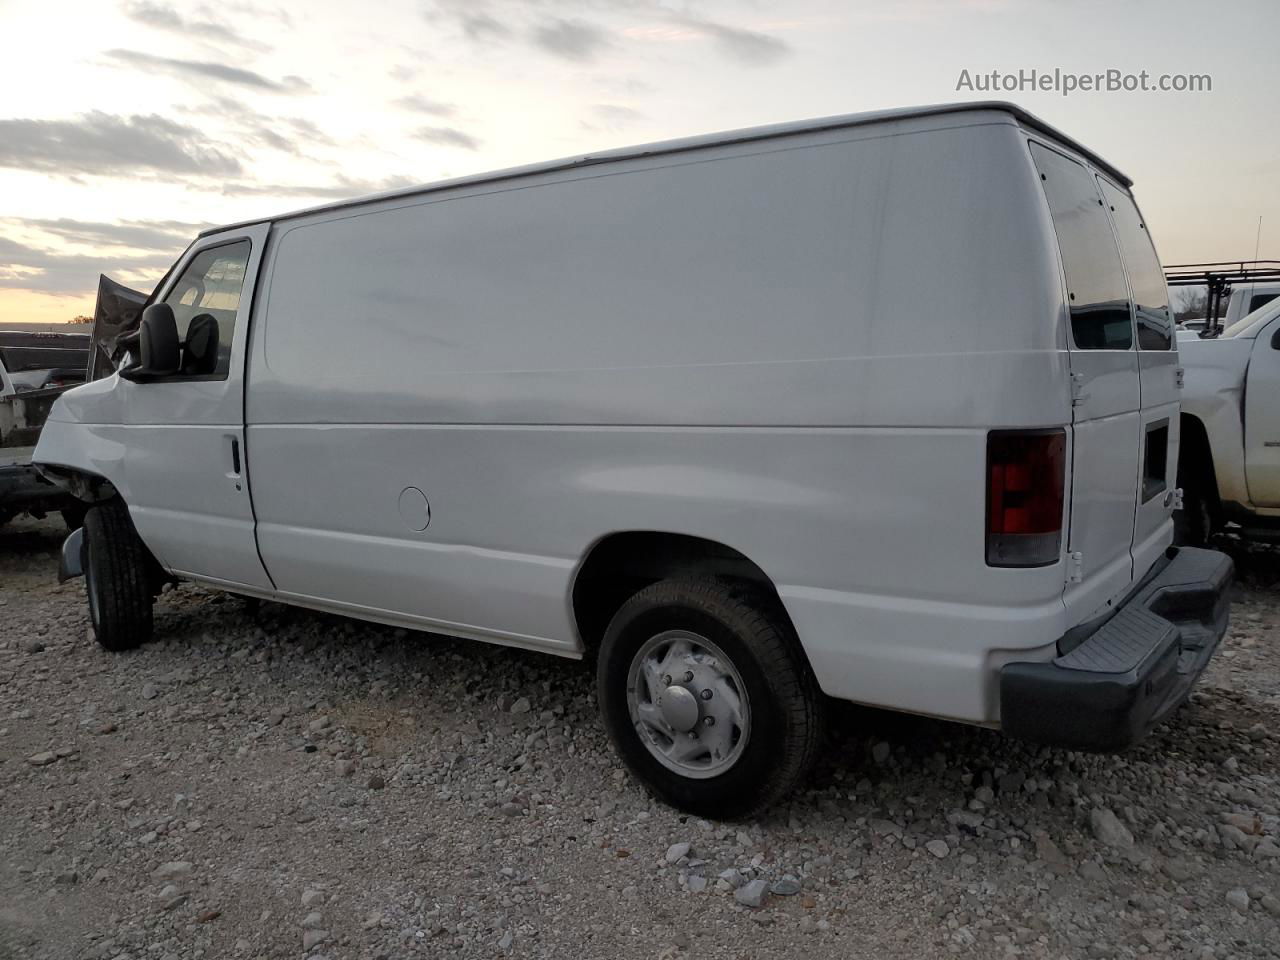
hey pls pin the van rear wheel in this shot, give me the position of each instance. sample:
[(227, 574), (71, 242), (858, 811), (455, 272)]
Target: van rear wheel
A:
[(707, 697), (117, 575)]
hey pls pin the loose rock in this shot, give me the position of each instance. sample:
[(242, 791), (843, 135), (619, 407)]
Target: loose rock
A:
[(1108, 829), (752, 894), (676, 851)]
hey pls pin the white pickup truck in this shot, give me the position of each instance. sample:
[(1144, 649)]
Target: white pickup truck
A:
[(1229, 461)]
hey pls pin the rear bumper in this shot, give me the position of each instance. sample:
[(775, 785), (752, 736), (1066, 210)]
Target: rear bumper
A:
[(1131, 672)]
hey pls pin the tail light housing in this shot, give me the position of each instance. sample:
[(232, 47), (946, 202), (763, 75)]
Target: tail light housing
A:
[(1026, 475)]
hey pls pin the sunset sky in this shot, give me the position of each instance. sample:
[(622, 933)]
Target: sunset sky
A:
[(127, 126)]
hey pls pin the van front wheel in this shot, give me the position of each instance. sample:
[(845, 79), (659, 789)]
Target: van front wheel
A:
[(707, 698), (117, 576)]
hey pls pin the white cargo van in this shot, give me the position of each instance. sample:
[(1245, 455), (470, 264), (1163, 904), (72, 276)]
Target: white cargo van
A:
[(881, 408)]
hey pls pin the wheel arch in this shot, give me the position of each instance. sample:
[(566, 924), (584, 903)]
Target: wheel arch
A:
[(1195, 459), (620, 564), (82, 484)]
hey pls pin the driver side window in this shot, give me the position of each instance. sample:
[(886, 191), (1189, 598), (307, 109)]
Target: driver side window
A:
[(204, 301)]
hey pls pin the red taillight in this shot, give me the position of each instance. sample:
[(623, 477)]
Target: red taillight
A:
[(1026, 474)]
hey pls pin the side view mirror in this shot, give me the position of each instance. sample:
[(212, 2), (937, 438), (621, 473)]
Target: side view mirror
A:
[(158, 346), (200, 351)]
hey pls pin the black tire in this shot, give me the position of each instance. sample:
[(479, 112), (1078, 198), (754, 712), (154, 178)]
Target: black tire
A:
[(1193, 524), (73, 514), (785, 703), (118, 574)]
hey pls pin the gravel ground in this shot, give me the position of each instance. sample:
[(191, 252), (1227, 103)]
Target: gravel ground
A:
[(269, 782)]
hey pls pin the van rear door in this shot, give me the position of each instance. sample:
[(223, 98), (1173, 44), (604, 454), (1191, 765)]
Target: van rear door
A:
[(1158, 368), (1106, 390)]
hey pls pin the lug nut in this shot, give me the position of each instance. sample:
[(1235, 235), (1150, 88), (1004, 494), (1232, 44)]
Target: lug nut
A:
[(706, 694), (666, 680), (688, 677), (709, 722)]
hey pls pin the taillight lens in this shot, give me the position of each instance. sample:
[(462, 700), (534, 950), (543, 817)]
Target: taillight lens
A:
[(1026, 474)]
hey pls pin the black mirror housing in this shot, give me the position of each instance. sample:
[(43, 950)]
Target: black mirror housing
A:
[(159, 350)]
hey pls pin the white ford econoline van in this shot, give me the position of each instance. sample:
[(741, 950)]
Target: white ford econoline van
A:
[(881, 408)]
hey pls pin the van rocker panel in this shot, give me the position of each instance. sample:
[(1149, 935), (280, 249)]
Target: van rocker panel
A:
[(1107, 692)]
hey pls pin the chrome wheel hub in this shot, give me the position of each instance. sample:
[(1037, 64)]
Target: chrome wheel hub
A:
[(679, 708), (688, 704)]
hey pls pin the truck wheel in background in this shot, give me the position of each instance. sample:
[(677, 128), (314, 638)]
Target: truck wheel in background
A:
[(1193, 524), (118, 577), (707, 697)]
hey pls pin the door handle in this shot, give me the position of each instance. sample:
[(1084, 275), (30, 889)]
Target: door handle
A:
[(235, 456)]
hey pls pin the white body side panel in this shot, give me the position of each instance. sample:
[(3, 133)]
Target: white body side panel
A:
[(1262, 418), (1213, 392), (794, 347), (760, 374)]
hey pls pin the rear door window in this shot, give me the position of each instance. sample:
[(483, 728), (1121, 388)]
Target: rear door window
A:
[(1146, 278), (1096, 291)]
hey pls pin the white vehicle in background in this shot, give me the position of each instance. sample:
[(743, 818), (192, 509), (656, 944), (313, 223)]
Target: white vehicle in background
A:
[(881, 407), (35, 360), (1229, 464), (35, 367), (1233, 289), (1247, 298)]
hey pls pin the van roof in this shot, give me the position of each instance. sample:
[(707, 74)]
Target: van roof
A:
[(745, 135)]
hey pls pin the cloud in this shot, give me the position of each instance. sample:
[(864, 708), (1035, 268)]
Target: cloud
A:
[(102, 144), (573, 40), (343, 188), (294, 135), (421, 104), (24, 267), (309, 131), (164, 17), (745, 46), (611, 117), (448, 137), (135, 234), (205, 70), (580, 42), (481, 26)]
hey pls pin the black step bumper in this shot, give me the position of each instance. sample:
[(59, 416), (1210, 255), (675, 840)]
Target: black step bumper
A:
[(1110, 689)]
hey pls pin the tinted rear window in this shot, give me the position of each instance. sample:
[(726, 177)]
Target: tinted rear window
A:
[(1097, 293), (1150, 294), (18, 359), (1260, 300)]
